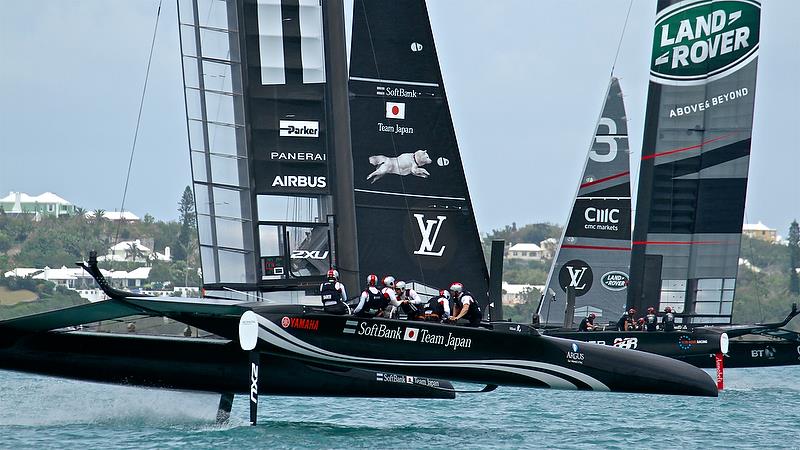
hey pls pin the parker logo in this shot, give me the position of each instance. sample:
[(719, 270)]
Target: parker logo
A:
[(299, 128), (615, 280), (576, 274), (699, 41), (429, 229)]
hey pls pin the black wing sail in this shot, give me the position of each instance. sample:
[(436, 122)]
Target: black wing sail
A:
[(695, 158), (413, 210), (595, 248)]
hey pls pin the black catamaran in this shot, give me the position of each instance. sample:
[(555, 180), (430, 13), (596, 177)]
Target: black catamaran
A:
[(685, 247), (274, 177)]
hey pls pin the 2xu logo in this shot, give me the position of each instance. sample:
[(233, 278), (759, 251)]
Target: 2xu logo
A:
[(309, 254), (699, 41), (576, 274)]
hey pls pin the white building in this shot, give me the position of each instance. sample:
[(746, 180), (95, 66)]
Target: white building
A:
[(760, 231), (48, 204), (134, 251), (515, 294), (115, 216), (525, 251)]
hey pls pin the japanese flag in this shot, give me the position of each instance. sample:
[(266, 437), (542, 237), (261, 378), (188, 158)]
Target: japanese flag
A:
[(411, 334), (395, 110)]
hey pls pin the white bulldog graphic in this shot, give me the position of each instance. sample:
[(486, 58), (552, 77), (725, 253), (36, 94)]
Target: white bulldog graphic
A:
[(405, 164)]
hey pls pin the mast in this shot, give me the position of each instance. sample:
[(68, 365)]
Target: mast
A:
[(695, 158), (338, 107)]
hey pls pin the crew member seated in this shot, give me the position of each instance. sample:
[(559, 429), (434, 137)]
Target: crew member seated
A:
[(437, 308), (409, 300), (389, 296), (668, 321), (464, 305), (333, 294), (587, 324), (625, 323), (650, 320), (371, 303), (639, 326)]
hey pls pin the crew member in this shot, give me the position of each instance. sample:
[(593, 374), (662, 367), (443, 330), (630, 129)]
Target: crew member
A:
[(437, 308), (464, 305), (333, 294), (668, 321), (650, 320), (389, 296), (625, 323), (639, 326), (587, 324), (371, 303), (409, 300)]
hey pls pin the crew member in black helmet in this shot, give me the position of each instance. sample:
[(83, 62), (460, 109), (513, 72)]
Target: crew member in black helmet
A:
[(650, 320), (625, 323), (668, 321), (587, 324), (464, 305), (371, 303), (333, 294)]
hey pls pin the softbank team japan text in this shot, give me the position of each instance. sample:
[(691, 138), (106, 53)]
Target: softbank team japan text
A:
[(425, 336)]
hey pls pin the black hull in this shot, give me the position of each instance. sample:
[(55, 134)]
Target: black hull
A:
[(672, 344), (195, 365), (509, 355), (753, 353)]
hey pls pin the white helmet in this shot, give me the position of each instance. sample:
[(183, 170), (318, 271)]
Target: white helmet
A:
[(372, 279), (388, 281), (456, 288), (400, 285), (333, 274), (444, 293)]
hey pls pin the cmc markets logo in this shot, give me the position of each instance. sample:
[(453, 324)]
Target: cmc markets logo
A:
[(699, 41), (615, 280), (299, 128), (429, 229), (576, 274)]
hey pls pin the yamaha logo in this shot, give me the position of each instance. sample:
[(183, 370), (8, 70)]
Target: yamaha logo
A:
[(576, 274), (299, 128), (285, 322), (429, 229)]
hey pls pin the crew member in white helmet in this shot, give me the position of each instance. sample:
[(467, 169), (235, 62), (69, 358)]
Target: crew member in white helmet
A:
[(464, 305), (389, 296), (409, 300), (333, 294), (371, 303)]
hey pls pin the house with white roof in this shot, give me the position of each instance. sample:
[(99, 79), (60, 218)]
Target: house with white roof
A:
[(134, 251), (760, 231), (526, 252), (45, 204), (515, 294)]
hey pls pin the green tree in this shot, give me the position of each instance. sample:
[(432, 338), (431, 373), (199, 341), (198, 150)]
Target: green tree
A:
[(794, 257), (188, 220), (148, 219)]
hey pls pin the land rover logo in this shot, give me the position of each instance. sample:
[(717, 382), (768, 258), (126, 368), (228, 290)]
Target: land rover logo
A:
[(576, 274), (699, 41), (614, 280)]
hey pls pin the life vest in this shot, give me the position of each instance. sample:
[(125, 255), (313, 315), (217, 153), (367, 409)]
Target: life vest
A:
[(669, 322), (650, 321), (375, 300), (330, 295), (474, 312), (434, 306)]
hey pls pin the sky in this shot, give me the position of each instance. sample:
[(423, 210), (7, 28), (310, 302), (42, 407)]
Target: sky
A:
[(525, 81)]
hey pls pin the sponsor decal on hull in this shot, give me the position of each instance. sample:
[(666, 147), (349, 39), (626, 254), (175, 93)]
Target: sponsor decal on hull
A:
[(405, 379), (686, 342), (575, 356), (699, 41), (422, 335), (300, 323)]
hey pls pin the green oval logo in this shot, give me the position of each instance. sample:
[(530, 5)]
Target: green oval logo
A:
[(697, 41)]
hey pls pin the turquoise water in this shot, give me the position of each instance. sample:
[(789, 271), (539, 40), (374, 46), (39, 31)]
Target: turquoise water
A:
[(760, 408)]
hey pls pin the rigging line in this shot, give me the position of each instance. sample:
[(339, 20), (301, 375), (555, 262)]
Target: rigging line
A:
[(394, 144), (138, 122), (621, 36)]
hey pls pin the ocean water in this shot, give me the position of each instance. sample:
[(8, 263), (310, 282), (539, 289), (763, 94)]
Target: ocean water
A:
[(760, 408)]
